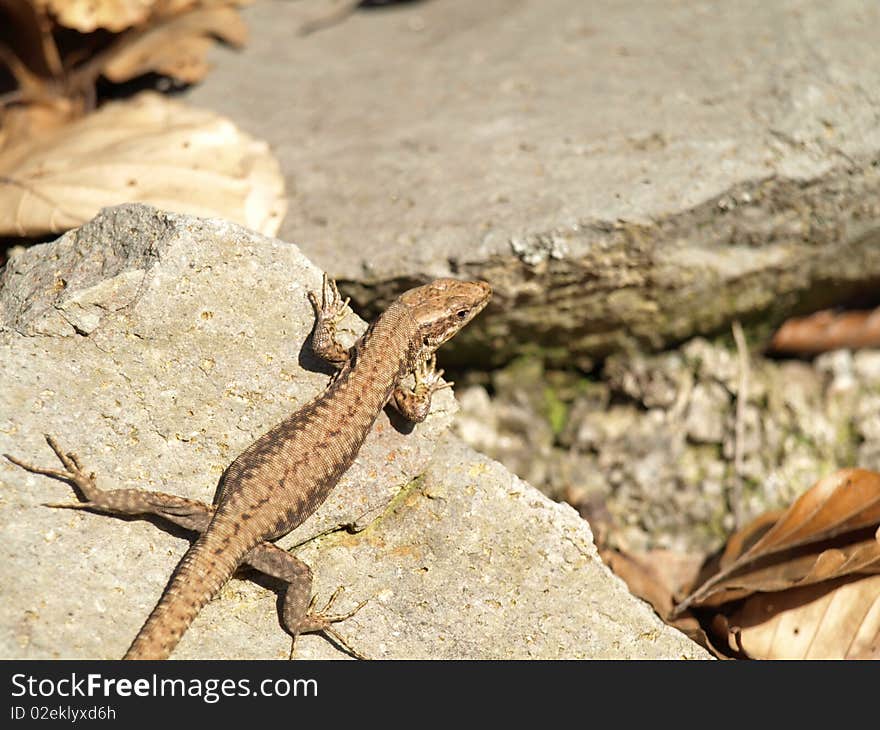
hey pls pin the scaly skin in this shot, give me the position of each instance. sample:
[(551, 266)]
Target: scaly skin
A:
[(285, 475)]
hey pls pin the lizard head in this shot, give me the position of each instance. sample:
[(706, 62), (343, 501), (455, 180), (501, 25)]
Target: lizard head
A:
[(443, 307)]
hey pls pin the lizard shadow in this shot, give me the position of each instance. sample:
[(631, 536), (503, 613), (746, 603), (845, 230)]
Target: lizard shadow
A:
[(308, 360), (400, 422), (242, 572)]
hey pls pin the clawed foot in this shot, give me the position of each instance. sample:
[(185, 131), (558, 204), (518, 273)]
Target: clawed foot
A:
[(187, 513), (332, 309), (415, 403), (428, 378), (321, 622), (73, 473), (329, 312)]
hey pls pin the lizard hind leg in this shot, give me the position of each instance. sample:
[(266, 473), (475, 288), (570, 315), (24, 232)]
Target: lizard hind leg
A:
[(298, 610), (187, 513)]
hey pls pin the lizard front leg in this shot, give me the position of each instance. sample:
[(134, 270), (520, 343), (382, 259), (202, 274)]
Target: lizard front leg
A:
[(415, 403), (328, 314)]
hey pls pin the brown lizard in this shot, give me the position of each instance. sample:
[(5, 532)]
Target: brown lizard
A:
[(285, 475)]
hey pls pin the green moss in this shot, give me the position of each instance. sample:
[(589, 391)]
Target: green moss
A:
[(555, 410), (846, 443), (337, 534), (397, 501)]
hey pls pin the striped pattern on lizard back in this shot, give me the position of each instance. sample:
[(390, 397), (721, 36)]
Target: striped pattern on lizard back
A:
[(284, 476)]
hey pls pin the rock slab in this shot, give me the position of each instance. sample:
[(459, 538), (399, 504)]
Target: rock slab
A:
[(158, 346), (624, 173)]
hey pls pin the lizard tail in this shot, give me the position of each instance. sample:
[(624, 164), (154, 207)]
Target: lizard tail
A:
[(200, 575)]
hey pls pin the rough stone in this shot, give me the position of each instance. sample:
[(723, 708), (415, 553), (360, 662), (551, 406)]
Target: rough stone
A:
[(623, 173), (665, 476), (158, 346), (502, 573), (706, 413)]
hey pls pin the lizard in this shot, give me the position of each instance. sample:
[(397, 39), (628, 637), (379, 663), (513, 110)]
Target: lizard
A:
[(288, 472)]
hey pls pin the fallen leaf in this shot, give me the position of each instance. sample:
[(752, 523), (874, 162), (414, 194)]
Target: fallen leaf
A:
[(828, 532), (175, 46), (743, 539), (147, 149), (861, 558), (828, 330), (642, 580), (23, 122), (26, 44), (838, 619), (657, 576), (846, 500), (170, 37), (89, 15)]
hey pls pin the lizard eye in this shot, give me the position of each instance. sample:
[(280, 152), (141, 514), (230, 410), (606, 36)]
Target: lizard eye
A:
[(461, 313)]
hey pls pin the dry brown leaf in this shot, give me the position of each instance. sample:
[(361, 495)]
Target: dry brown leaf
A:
[(663, 574), (862, 557), (828, 330), (175, 46), (89, 15), (847, 500), (170, 37), (838, 619), (150, 150), (743, 539), (641, 579), (798, 549), (20, 123)]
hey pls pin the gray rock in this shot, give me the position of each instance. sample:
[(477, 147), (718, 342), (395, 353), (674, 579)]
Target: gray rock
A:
[(158, 346), (501, 573), (623, 173), (707, 412), (867, 366), (653, 462)]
